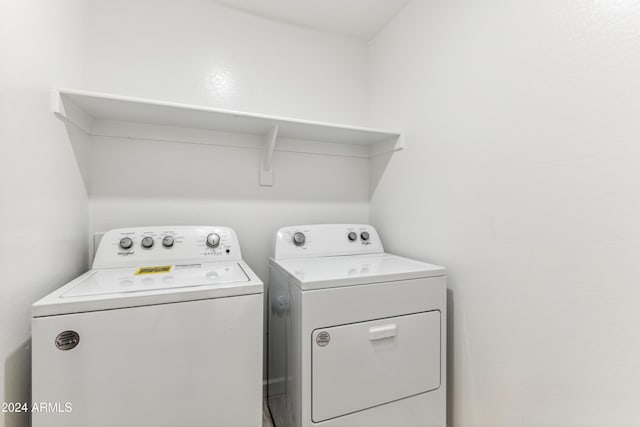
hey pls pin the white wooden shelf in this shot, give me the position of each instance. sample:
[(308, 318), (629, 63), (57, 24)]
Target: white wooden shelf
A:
[(87, 110)]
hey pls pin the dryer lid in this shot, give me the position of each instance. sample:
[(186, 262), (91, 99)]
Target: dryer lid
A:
[(338, 271)]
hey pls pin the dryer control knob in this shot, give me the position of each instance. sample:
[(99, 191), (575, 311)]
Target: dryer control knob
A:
[(213, 240), (168, 241), (126, 243), (364, 236), (299, 239), (147, 242), (352, 236)]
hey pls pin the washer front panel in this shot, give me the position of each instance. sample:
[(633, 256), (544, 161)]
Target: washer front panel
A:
[(196, 363)]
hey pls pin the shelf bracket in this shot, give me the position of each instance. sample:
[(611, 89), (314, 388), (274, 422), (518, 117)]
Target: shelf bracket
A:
[(266, 157)]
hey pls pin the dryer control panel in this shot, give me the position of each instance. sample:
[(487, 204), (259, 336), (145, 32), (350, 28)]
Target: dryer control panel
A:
[(144, 246), (305, 241)]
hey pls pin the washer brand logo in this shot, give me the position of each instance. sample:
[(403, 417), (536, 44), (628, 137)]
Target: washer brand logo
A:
[(67, 340), (323, 338)]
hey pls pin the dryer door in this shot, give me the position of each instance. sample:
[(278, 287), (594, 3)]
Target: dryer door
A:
[(361, 365)]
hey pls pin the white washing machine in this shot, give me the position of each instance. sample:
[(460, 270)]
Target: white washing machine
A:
[(357, 337), (164, 330)]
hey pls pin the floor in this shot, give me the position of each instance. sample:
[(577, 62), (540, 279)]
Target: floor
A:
[(266, 415)]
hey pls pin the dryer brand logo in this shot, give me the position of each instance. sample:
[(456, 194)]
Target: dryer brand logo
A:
[(323, 338)]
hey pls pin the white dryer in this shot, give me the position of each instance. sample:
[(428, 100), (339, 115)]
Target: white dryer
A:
[(164, 330), (357, 337)]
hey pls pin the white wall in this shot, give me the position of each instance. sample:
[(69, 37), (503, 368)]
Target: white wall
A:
[(43, 203), (521, 176), (199, 52)]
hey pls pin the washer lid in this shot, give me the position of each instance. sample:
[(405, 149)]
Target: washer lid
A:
[(332, 272), (145, 279), (106, 289)]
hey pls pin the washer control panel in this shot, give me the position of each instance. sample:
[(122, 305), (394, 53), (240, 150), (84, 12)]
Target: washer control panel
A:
[(129, 247), (326, 240)]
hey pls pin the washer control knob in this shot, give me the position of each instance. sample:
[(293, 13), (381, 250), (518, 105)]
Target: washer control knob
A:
[(299, 239), (147, 242), (353, 236), (168, 241), (126, 243), (213, 240), (364, 236)]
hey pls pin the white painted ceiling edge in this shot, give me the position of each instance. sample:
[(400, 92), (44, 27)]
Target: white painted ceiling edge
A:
[(357, 18)]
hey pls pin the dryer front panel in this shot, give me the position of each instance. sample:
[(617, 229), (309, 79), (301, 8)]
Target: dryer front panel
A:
[(363, 365)]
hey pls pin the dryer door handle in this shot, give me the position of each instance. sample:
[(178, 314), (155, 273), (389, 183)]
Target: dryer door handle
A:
[(382, 332)]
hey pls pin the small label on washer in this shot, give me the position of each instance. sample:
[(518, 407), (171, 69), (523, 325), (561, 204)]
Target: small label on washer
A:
[(154, 270), (323, 338)]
